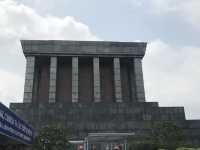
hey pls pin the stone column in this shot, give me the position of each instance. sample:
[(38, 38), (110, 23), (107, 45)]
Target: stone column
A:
[(29, 79), (132, 81), (117, 80), (96, 73), (74, 79), (139, 83), (52, 80)]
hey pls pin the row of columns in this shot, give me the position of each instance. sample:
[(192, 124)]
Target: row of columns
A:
[(139, 84)]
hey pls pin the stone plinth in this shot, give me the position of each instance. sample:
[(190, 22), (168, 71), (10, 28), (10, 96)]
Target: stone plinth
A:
[(82, 118)]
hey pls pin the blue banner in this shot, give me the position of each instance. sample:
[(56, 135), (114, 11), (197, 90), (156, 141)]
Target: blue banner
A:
[(14, 127)]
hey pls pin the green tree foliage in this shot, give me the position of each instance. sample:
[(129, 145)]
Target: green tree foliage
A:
[(167, 135), (164, 135), (52, 138), (141, 143), (188, 149)]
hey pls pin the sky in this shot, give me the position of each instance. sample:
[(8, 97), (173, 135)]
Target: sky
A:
[(170, 27)]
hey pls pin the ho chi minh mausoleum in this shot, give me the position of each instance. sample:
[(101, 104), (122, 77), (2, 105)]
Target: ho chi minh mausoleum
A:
[(92, 86)]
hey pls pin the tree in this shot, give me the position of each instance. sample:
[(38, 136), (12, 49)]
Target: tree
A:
[(167, 135), (52, 138), (164, 134), (141, 142)]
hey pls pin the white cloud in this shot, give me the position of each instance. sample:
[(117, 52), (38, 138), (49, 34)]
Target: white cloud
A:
[(11, 87), (171, 73), (21, 22), (172, 76), (187, 10)]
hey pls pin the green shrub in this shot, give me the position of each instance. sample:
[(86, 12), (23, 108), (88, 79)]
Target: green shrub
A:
[(184, 148), (52, 138), (142, 147)]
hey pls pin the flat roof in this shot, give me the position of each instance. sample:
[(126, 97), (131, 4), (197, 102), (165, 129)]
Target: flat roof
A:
[(100, 137), (83, 48)]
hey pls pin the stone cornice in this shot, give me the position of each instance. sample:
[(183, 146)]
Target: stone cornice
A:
[(81, 48)]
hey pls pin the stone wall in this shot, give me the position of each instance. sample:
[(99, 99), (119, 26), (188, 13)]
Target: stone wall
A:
[(84, 118), (64, 80), (93, 117)]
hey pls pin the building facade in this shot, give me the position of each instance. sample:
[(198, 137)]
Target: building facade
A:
[(69, 71), (92, 86)]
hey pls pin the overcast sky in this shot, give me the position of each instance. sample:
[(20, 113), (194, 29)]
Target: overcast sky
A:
[(171, 28)]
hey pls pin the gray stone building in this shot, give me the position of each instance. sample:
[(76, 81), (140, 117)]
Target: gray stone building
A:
[(92, 86)]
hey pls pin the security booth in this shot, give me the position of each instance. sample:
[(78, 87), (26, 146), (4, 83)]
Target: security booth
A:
[(103, 141), (77, 144), (107, 141), (14, 132)]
